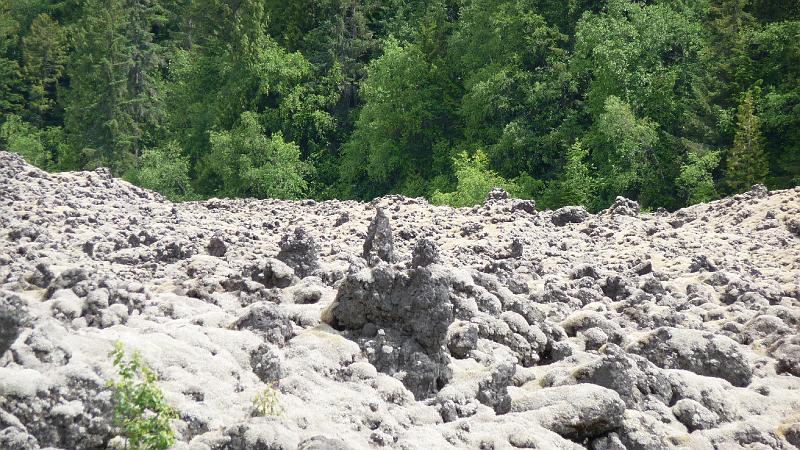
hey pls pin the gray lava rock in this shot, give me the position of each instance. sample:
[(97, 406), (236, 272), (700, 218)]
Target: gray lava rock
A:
[(379, 242), (343, 218), (415, 302), (569, 214), (787, 352), (493, 391), (299, 250), (67, 279), (635, 379), (216, 247), (703, 263), (528, 206), (425, 253), (274, 273), (702, 353), (266, 364), (415, 305), (793, 225), (323, 443), (758, 191), (265, 319), (694, 415), (624, 207), (462, 337), (575, 412), (496, 194), (42, 276), (792, 434), (13, 316)]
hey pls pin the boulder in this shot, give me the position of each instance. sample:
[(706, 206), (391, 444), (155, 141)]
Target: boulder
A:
[(267, 321), (414, 307), (569, 214), (425, 253), (496, 194), (696, 351), (575, 412), (299, 250), (624, 207), (13, 317), (635, 379), (216, 247), (787, 352), (462, 337), (694, 415), (323, 443)]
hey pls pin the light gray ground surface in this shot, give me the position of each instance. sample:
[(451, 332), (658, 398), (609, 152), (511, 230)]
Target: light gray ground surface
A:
[(494, 327)]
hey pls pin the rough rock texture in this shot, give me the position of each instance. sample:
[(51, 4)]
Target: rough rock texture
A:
[(399, 324), (299, 250), (379, 243), (12, 318), (700, 352)]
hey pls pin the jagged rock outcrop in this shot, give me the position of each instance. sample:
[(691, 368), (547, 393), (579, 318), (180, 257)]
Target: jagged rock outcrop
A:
[(380, 241), (396, 323)]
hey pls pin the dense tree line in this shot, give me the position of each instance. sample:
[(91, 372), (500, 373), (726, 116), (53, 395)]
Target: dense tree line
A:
[(671, 102)]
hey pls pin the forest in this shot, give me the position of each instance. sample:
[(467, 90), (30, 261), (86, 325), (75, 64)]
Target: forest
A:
[(669, 102)]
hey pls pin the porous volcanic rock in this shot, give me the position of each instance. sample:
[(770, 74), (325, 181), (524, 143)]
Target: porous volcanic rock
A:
[(396, 323)]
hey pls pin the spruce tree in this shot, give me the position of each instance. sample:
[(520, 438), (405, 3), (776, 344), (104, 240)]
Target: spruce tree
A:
[(11, 85), (143, 77), (96, 114), (747, 160), (45, 55), (113, 98)]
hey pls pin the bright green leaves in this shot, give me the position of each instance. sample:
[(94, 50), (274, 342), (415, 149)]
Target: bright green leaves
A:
[(402, 126), (579, 101), (696, 181), (165, 170), (266, 403), (475, 180), (514, 75), (577, 186), (246, 113), (250, 164), (140, 410), (23, 139)]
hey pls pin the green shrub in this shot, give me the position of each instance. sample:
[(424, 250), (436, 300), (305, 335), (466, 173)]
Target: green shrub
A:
[(696, 181), (140, 410), (475, 180), (23, 139), (165, 170), (266, 403)]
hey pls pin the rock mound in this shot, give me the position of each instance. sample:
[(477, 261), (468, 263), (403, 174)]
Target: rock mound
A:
[(396, 323)]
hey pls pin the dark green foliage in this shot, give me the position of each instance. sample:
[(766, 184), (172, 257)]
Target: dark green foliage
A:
[(747, 162), (569, 102)]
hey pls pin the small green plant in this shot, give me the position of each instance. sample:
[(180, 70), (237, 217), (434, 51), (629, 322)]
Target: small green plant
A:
[(266, 402), (139, 406)]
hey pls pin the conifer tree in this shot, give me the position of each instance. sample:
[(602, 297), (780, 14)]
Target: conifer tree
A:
[(45, 54), (96, 114), (11, 86), (747, 161), (113, 97)]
